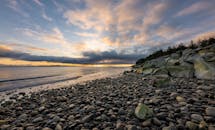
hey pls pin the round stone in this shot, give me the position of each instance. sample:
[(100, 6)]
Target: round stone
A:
[(196, 118), (210, 111)]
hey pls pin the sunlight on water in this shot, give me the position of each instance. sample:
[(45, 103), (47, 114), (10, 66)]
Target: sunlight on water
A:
[(22, 77)]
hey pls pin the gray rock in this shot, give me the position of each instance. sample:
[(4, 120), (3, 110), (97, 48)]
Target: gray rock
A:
[(38, 119), (23, 117), (173, 94), (147, 123), (210, 111), (119, 125), (71, 106), (46, 128), (154, 100), (56, 119), (201, 93), (211, 128), (41, 109), (17, 128), (191, 126), (169, 128), (58, 127), (5, 127), (196, 118), (30, 128), (87, 118), (131, 127), (156, 121)]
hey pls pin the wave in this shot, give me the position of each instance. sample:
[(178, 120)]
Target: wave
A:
[(38, 84), (9, 80)]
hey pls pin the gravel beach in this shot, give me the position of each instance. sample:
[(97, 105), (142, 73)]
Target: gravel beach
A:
[(110, 103)]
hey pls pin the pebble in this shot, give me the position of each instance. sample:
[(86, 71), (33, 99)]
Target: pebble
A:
[(169, 128), (180, 99), (210, 111), (4, 127), (41, 108), (111, 103), (46, 128), (197, 118), (58, 127), (87, 118), (147, 123), (156, 121), (211, 128), (38, 119), (131, 127), (192, 126)]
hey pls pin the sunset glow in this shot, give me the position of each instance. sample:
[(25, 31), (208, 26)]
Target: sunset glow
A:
[(76, 32)]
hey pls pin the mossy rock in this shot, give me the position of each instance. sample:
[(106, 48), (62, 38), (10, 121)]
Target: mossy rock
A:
[(181, 71), (143, 112), (161, 71), (162, 82), (147, 71), (139, 70), (204, 70)]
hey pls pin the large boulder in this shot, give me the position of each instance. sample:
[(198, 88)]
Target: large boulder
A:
[(147, 71), (162, 71), (204, 70), (171, 61), (188, 55), (155, 63), (181, 71)]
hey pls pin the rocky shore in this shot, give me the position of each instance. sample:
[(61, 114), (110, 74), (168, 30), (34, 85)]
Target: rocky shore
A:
[(112, 103), (168, 92)]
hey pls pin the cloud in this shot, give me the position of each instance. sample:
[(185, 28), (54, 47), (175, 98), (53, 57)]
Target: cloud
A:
[(89, 57), (53, 36), (203, 36), (96, 15), (14, 5), (194, 8), (13, 46), (46, 17), (122, 22), (5, 48), (85, 34), (60, 7), (38, 2)]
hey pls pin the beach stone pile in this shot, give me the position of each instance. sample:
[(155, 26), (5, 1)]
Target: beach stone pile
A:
[(128, 102), (189, 63)]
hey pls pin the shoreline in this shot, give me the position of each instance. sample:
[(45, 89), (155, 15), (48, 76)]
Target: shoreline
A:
[(110, 103), (5, 95)]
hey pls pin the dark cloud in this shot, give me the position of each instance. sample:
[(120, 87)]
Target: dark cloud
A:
[(90, 57)]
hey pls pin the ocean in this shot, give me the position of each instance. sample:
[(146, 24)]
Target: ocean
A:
[(23, 77)]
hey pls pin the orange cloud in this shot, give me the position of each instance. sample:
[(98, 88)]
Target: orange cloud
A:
[(203, 36), (85, 34), (14, 62), (4, 47), (55, 37)]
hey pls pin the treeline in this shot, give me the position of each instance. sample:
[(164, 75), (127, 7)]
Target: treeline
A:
[(180, 47)]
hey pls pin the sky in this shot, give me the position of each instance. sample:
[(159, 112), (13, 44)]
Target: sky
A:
[(56, 32)]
